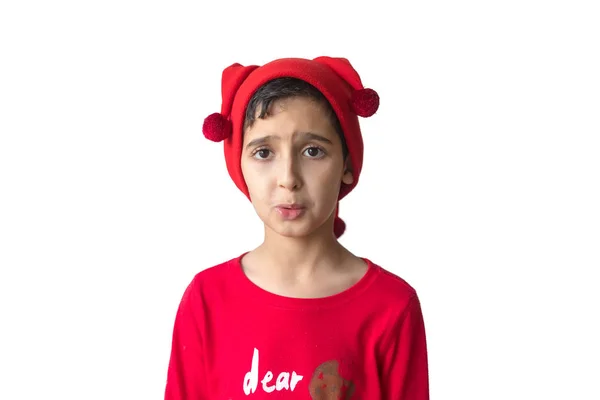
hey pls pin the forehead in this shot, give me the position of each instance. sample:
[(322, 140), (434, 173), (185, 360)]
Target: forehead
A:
[(290, 115)]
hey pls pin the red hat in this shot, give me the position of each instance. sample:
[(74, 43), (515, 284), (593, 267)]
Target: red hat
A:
[(334, 77)]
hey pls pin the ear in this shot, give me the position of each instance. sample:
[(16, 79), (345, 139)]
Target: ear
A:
[(348, 177)]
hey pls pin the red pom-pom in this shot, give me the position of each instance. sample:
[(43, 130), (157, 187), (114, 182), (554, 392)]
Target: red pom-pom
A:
[(216, 127), (365, 102), (339, 226)]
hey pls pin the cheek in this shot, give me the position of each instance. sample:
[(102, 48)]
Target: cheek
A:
[(257, 178), (324, 175)]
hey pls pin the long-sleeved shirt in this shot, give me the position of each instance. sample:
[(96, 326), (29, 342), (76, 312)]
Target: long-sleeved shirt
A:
[(232, 340)]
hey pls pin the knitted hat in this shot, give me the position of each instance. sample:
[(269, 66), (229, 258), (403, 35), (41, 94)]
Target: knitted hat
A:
[(334, 77)]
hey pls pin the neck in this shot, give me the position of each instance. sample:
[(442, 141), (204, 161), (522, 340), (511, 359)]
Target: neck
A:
[(300, 257)]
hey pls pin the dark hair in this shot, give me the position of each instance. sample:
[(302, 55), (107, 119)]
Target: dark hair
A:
[(283, 88)]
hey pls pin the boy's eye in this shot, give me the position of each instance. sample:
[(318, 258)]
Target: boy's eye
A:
[(314, 152), (262, 154)]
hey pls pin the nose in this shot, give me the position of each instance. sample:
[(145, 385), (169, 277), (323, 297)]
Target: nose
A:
[(289, 176)]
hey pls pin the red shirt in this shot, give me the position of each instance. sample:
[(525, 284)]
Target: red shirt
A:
[(233, 340)]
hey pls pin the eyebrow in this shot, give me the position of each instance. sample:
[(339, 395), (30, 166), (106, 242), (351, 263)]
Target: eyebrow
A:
[(307, 135)]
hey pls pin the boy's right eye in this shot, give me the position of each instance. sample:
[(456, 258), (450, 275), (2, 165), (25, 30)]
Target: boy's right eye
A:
[(262, 154)]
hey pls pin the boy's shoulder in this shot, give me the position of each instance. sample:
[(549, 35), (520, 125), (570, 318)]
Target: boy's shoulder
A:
[(383, 286), (391, 287), (213, 282), (216, 273)]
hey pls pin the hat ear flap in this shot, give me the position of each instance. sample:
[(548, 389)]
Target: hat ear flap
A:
[(217, 126), (364, 102)]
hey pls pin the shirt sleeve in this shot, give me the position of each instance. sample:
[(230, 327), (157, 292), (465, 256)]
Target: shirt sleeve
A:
[(405, 367), (186, 375)]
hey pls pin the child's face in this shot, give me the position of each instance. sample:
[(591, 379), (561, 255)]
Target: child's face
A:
[(293, 159)]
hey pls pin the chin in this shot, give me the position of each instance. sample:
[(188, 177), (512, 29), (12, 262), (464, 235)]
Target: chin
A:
[(291, 231), (295, 229)]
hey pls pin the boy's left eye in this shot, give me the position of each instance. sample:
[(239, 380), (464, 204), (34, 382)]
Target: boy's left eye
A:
[(313, 152)]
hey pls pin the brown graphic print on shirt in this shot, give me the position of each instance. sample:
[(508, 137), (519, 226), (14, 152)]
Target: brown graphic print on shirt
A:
[(328, 384)]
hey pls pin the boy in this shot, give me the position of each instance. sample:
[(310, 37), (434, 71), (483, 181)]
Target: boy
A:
[(300, 316)]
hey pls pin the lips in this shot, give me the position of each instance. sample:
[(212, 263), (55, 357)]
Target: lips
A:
[(292, 206), (290, 212)]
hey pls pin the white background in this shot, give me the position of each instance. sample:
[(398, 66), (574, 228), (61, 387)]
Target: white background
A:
[(481, 182)]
